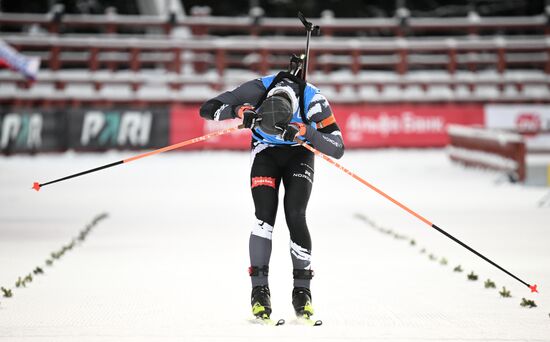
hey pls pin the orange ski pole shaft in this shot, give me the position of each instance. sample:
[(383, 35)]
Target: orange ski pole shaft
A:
[(372, 187), (533, 287), (36, 186)]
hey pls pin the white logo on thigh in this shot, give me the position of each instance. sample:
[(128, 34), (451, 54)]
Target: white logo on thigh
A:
[(307, 166), (307, 175)]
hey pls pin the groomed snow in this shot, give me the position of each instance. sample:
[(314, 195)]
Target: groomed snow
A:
[(170, 262)]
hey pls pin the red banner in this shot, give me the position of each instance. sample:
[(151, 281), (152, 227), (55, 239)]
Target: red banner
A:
[(362, 125), (369, 125), (186, 123)]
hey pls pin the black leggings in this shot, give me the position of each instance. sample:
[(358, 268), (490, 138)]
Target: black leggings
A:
[(294, 165)]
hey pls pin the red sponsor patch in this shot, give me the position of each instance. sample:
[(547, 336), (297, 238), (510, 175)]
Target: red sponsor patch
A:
[(259, 181)]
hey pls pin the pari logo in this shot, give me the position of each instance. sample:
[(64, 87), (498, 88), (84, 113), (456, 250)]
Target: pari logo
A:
[(115, 128), (21, 130), (528, 124)]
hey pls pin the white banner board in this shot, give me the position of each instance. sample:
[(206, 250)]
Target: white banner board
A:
[(532, 121)]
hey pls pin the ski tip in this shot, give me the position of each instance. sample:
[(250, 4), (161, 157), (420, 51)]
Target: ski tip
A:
[(36, 186), (267, 321), (306, 320), (533, 288)]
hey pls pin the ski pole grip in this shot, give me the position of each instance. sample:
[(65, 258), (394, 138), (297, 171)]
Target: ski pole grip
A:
[(307, 24), (315, 29)]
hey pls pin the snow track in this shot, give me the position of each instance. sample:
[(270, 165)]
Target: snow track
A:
[(170, 262)]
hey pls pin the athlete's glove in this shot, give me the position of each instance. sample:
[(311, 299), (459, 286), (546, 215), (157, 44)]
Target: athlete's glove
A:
[(249, 115), (292, 130)]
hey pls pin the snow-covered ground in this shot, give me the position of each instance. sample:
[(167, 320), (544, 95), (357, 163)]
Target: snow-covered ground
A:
[(170, 262)]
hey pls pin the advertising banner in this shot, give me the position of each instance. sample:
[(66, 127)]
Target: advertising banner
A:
[(367, 125), (532, 121), (96, 129), (362, 126), (118, 128), (31, 131), (186, 124)]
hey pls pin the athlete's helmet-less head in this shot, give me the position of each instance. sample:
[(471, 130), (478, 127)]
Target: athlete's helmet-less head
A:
[(277, 109)]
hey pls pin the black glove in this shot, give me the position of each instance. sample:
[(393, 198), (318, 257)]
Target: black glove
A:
[(249, 116), (292, 130)]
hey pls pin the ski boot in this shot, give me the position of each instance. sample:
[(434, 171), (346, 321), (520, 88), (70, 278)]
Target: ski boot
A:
[(261, 301), (301, 300)]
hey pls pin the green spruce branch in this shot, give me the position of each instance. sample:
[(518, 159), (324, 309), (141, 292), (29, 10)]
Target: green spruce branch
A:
[(489, 284), (20, 283), (505, 293), (7, 293), (528, 303), (28, 278), (472, 276)]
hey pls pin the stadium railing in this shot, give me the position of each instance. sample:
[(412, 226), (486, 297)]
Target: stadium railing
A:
[(506, 67)]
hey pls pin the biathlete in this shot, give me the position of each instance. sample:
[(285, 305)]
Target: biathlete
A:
[(279, 109)]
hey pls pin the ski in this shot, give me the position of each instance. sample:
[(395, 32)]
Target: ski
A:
[(306, 320), (265, 320)]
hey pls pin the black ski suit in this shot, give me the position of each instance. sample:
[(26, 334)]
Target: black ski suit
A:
[(273, 162)]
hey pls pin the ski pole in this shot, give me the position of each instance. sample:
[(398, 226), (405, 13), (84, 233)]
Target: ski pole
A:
[(36, 186), (533, 287), (309, 29)]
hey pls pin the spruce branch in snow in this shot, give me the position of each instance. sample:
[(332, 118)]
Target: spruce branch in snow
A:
[(7, 293), (28, 278), (472, 276), (22, 281), (528, 303), (399, 236), (443, 261), (19, 282), (505, 293), (82, 236), (458, 269), (489, 284), (413, 242), (362, 217)]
